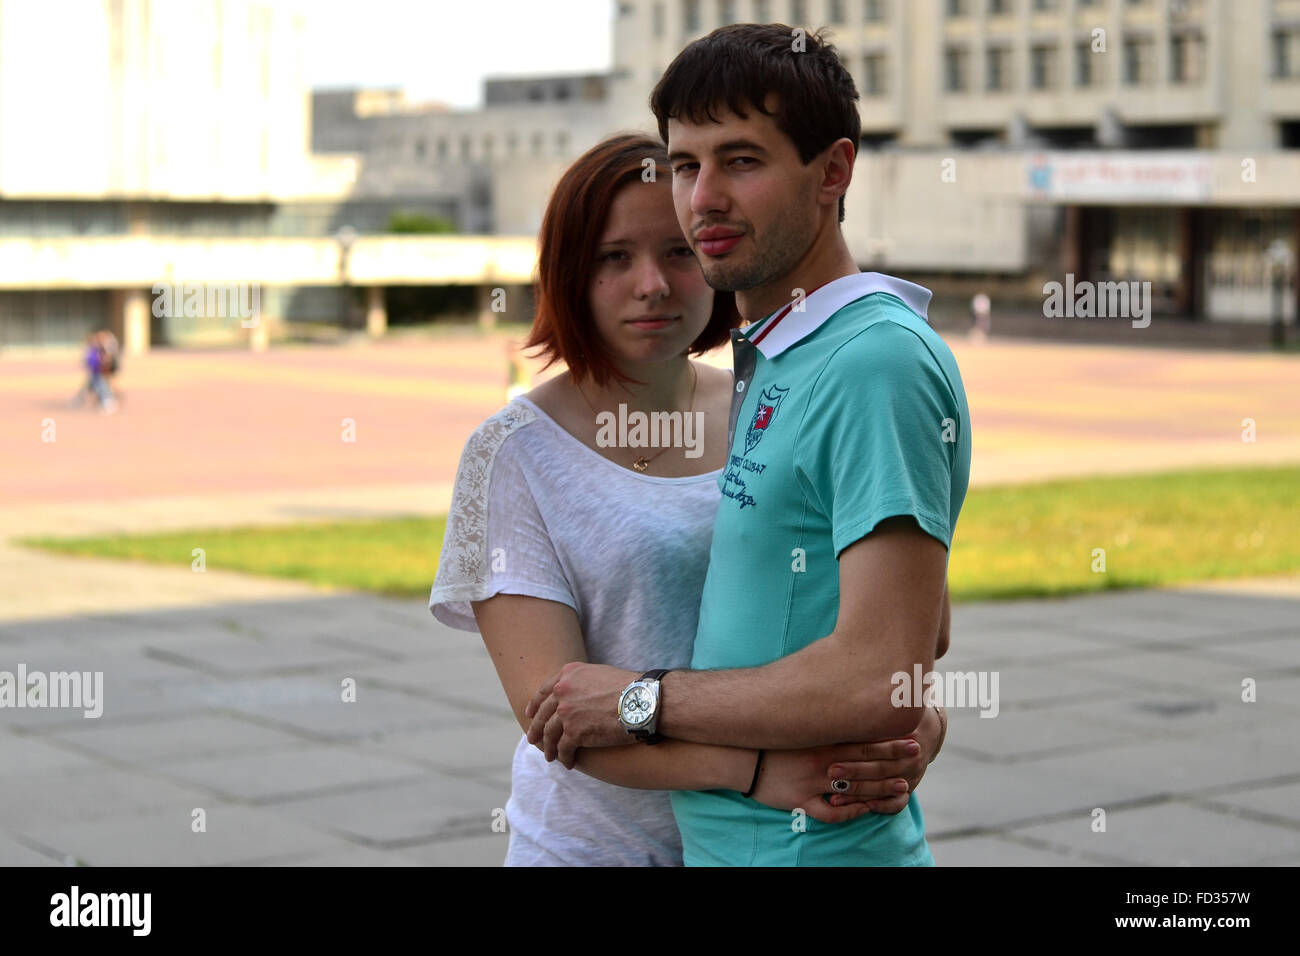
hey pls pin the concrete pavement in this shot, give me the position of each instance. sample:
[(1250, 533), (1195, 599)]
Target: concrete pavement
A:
[(1127, 702)]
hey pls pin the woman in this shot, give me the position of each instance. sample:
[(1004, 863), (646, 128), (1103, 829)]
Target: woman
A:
[(562, 545)]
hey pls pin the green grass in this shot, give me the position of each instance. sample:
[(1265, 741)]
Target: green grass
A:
[(393, 556), (1012, 541), (1033, 540)]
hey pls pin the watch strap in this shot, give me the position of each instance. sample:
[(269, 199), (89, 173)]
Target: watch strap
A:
[(645, 736)]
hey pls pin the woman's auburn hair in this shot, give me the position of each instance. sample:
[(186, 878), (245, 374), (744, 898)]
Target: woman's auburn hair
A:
[(563, 326)]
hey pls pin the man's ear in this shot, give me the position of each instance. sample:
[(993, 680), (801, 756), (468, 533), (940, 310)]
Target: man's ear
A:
[(840, 156)]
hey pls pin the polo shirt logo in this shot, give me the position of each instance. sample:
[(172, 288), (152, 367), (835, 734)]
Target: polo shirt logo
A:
[(768, 405)]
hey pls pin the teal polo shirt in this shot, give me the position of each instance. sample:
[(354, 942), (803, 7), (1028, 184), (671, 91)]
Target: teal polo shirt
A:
[(847, 413)]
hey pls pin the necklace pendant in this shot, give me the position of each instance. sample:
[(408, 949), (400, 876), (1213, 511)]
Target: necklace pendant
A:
[(641, 464)]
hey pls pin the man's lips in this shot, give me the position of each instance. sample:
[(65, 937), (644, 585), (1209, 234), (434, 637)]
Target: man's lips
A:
[(715, 241)]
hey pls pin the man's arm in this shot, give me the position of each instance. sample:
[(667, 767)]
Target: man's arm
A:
[(945, 623), (838, 688)]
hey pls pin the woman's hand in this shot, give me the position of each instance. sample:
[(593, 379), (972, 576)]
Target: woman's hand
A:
[(906, 758), (881, 775)]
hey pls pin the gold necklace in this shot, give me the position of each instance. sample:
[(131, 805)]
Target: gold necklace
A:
[(641, 463)]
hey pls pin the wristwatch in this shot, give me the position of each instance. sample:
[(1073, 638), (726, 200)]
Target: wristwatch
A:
[(638, 707)]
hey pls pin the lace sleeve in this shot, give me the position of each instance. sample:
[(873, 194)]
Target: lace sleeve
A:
[(496, 541)]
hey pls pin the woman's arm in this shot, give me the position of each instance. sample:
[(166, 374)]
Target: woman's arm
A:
[(529, 638)]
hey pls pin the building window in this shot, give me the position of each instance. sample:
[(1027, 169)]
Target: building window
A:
[(1187, 58), (561, 142), (999, 8), (873, 11), (762, 11), (1044, 6), (997, 66), (956, 69), (798, 14), (657, 19), (1087, 65), (537, 144), (956, 8), (874, 76), (1139, 61), (726, 11), (1286, 54), (691, 16), (835, 11), (1043, 67)]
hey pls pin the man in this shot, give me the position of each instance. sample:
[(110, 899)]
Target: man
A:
[(850, 455)]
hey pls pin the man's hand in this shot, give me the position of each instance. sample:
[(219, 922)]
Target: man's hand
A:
[(578, 707)]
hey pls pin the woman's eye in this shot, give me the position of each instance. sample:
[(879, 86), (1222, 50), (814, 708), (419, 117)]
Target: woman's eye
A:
[(609, 256)]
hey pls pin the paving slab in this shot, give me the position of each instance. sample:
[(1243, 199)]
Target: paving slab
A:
[(1278, 801), (150, 743), (1171, 834), (429, 807), (289, 773), (998, 851), (240, 836)]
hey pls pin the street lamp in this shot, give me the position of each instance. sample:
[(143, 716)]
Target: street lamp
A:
[(1279, 260)]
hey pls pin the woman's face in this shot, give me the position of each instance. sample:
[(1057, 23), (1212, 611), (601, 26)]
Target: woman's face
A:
[(648, 295)]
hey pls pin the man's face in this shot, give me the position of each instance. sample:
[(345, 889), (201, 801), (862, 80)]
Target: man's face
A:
[(743, 198)]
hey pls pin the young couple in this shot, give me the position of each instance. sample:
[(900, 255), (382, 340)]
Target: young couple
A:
[(702, 646)]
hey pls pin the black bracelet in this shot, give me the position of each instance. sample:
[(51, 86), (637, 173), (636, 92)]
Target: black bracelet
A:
[(758, 765)]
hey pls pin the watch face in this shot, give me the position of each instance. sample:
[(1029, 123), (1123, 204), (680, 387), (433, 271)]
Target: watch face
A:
[(638, 704)]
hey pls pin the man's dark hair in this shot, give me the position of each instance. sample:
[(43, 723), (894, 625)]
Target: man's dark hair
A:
[(740, 64)]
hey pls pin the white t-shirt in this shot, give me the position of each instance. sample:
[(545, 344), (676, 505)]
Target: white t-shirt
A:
[(537, 512)]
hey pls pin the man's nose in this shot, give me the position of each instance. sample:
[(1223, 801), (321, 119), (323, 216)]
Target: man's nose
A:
[(707, 192)]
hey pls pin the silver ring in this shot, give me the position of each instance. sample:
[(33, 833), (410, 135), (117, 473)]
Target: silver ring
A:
[(840, 785)]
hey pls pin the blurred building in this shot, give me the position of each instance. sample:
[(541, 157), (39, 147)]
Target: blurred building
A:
[(169, 144), (1007, 142), (491, 168)]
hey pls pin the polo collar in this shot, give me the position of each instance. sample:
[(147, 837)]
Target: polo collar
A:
[(824, 302)]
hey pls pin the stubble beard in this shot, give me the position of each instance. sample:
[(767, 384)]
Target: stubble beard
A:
[(770, 260)]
